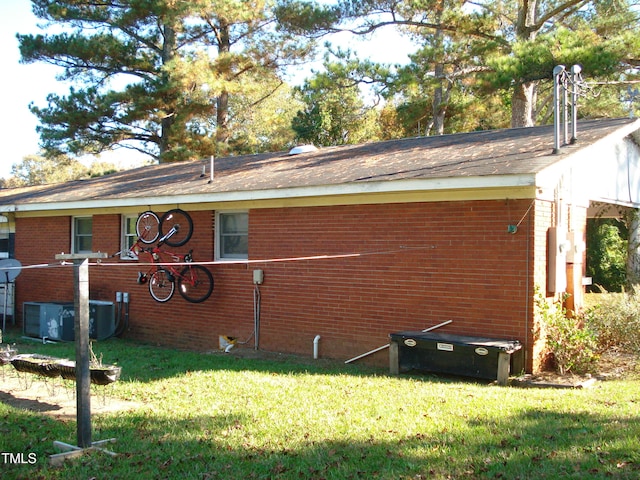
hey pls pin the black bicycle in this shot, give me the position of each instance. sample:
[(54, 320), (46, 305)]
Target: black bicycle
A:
[(175, 227)]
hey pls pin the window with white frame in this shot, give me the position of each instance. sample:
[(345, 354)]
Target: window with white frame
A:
[(82, 234), (129, 237), (232, 235)]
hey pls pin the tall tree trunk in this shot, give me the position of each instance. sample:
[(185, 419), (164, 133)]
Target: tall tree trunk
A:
[(438, 104), (168, 49), (222, 117), (523, 102), (524, 96), (222, 102), (441, 96)]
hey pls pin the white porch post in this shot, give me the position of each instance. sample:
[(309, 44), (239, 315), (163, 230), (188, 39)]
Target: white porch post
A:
[(633, 249)]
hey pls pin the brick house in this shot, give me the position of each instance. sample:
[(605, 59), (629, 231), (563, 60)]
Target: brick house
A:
[(355, 242)]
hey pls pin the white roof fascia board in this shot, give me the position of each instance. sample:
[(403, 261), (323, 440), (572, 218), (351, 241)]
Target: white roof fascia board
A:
[(351, 188), (589, 171), (549, 175), (614, 201)]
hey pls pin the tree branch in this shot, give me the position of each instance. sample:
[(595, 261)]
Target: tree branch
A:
[(420, 24), (571, 4)]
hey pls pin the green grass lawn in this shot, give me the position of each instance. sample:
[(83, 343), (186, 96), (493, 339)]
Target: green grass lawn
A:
[(223, 416)]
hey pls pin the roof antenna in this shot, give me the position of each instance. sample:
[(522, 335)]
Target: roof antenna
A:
[(211, 171), (562, 81)]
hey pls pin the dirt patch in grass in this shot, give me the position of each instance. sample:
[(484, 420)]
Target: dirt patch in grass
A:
[(612, 365), (54, 397)]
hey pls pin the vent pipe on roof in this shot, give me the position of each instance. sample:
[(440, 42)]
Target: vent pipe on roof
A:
[(559, 74), (204, 170), (302, 149), (576, 81)]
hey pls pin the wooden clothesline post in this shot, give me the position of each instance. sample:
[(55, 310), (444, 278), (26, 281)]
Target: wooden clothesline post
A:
[(83, 373)]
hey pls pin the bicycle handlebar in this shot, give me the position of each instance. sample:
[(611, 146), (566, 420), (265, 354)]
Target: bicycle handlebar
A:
[(152, 250)]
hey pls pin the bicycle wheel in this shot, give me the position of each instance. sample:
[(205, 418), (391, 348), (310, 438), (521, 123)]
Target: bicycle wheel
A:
[(195, 283), (161, 285), (147, 227), (180, 224)]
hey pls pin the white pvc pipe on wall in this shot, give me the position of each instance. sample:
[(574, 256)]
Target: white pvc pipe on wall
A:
[(316, 342)]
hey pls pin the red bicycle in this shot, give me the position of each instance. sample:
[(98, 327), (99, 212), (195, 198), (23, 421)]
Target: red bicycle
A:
[(195, 282)]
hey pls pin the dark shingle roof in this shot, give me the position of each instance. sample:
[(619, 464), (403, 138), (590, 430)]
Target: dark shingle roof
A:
[(477, 154)]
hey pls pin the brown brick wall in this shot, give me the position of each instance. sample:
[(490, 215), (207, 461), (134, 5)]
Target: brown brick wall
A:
[(423, 264), (419, 264)]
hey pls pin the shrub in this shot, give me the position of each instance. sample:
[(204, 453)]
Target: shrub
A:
[(572, 343), (616, 320)]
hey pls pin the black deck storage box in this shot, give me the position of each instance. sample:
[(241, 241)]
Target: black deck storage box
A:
[(478, 357)]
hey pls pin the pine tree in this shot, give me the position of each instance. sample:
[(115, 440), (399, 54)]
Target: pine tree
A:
[(153, 75), (509, 45)]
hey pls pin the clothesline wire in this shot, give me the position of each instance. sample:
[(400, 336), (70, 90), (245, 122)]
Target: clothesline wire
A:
[(100, 263)]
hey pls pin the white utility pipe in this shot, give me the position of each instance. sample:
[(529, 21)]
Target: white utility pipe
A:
[(316, 341), (387, 345)]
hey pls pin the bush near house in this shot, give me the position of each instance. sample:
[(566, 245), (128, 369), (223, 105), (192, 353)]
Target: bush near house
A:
[(612, 322), (571, 342), (615, 319)]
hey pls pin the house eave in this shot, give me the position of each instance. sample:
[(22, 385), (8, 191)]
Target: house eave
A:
[(333, 191)]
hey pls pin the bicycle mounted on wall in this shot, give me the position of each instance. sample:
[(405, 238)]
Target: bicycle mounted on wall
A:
[(174, 228)]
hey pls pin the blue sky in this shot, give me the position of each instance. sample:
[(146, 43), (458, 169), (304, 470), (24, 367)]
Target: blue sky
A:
[(23, 84)]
